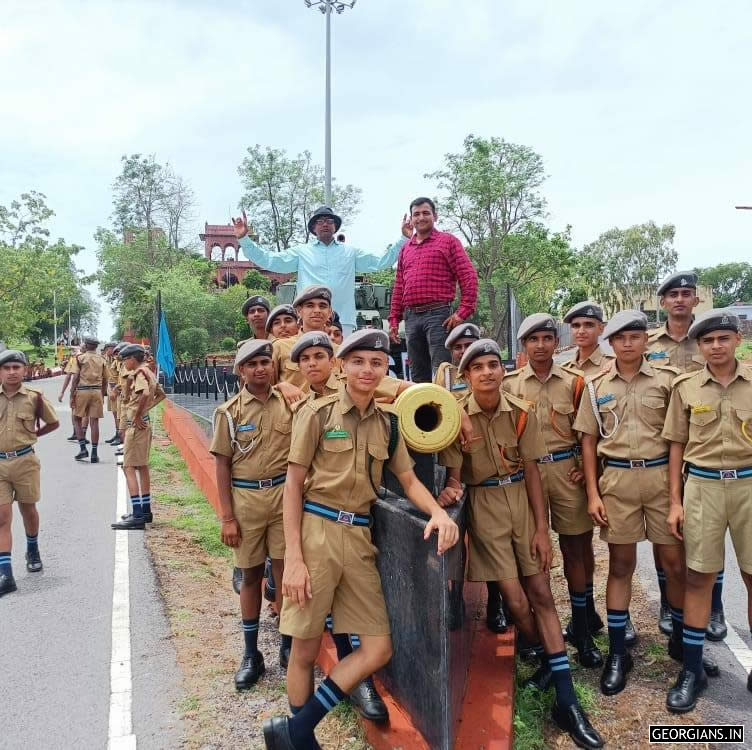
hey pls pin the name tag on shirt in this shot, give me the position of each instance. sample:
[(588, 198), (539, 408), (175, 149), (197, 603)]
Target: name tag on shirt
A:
[(605, 399), (701, 409), (332, 434), (459, 387), (657, 355), (245, 427)]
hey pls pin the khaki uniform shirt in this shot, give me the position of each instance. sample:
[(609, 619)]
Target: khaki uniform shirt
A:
[(17, 418), (339, 447), (266, 424), (640, 406), (708, 418), (284, 368), (68, 369), (499, 451), (553, 402), (663, 350), (92, 368), (143, 380), (446, 376), (591, 366)]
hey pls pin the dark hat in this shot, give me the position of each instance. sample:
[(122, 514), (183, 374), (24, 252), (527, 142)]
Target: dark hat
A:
[(255, 301), (336, 323), (119, 346), (626, 320), (478, 349), (253, 348), (464, 331), (314, 291), (13, 355), (279, 310), (132, 350), (307, 340), (324, 211), (110, 345), (586, 309), (368, 339), (91, 340), (534, 323), (678, 280), (713, 320)]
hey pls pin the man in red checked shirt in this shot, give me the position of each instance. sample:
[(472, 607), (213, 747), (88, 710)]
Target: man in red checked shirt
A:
[(429, 268)]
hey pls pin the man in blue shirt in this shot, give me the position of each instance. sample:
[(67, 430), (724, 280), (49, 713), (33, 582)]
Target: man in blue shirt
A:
[(324, 260)]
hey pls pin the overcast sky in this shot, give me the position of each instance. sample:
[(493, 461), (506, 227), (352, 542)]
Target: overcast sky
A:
[(640, 110)]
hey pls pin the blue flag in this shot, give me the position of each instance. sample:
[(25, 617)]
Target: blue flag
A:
[(165, 360)]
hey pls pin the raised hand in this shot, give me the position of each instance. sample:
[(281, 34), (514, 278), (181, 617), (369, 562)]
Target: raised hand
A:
[(407, 226), (240, 226)]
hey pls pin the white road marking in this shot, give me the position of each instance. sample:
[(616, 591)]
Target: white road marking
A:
[(120, 735), (738, 648)]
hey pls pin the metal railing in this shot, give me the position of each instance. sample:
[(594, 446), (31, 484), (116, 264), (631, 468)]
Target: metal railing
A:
[(207, 378)]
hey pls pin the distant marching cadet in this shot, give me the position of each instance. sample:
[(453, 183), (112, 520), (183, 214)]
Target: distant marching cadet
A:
[(25, 415), (339, 447), (621, 417), (507, 525), (457, 342), (251, 441), (709, 426), (112, 375), (670, 344), (88, 389), (555, 394), (314, 353), (144, 393), (68, 372)]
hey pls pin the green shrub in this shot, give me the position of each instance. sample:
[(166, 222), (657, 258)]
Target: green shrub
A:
[(227, 344), (193, 341)]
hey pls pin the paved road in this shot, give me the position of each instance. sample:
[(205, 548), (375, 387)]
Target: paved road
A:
[(56, 630)]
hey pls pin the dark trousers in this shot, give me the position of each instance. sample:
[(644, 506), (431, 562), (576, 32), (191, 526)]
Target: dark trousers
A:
[(425, 342)]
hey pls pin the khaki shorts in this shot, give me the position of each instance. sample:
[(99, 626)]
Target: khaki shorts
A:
[(567, 502), (89, 404), (341, 561), (112, 401), (710, 507), (19, 479), (122, 418), (137, 446), (259, 515), (500, 527), (636, 503)]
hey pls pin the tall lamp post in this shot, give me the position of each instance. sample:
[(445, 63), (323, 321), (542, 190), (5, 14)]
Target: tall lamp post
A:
[(326, 7)]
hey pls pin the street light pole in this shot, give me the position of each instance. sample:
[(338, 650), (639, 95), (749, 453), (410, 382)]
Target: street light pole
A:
[(326, 7)]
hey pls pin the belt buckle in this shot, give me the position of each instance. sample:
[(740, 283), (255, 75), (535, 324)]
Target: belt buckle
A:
[(505, 481), (729, 474), (346, 518), (265, 484), (14, 454), (637, 463), (547, 459)]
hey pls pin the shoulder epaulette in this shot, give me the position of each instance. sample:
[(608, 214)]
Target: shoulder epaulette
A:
[(684, 376), (514, 373), (654, 333), (597, 376), (520, 403), (668, 368), (319, 403), (227, 404)]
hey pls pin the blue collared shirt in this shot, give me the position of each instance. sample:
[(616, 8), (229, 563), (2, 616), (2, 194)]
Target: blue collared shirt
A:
[(333, 265)]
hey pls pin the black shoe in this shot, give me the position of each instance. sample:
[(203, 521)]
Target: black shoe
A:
[(716, 630), (81, 455), (130, 524), (147, 517), (277, 734), (33, 561), (575, 723), (595, 625), (251, 668), (496, 621), (368, 702), (284, 656), (665, 623), (94, 458), (73, 438), (7, 584), (524, 649), (614, 675), (540, 679), (237, 579), (675, 650), (749, 682), (630, 634), (682, 697), (588, 653), (112, 440)]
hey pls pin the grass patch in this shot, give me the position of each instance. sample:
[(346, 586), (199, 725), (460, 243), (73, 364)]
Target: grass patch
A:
[(188, 705), (745, 350)]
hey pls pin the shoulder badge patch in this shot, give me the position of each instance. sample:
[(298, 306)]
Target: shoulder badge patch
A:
[(652, 356)]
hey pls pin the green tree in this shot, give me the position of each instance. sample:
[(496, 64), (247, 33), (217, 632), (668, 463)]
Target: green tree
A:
[(192, 343), (256, 280), (281, 192), (624, 266), (730, 282)]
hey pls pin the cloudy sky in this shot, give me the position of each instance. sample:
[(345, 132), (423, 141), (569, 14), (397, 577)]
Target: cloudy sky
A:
[(640, 110)]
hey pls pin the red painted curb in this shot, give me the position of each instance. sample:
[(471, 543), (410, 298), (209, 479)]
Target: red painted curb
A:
[(488, 709)]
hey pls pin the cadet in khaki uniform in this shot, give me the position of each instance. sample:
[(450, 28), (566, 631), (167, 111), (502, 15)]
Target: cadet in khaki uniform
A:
[(88, 389), (670, 344), (507, 523), (250, 446), (22, 410), (143, 394), (282, 323), (68, 372), (335, 331), (457, 342), (709, 426), (125, 378), (339, 447), (111, 363), (586, 323), (621, 417), (256, 311), (555, 394)]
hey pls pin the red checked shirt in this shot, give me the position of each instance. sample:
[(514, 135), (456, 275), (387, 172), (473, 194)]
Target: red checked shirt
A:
[(428, 272)]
